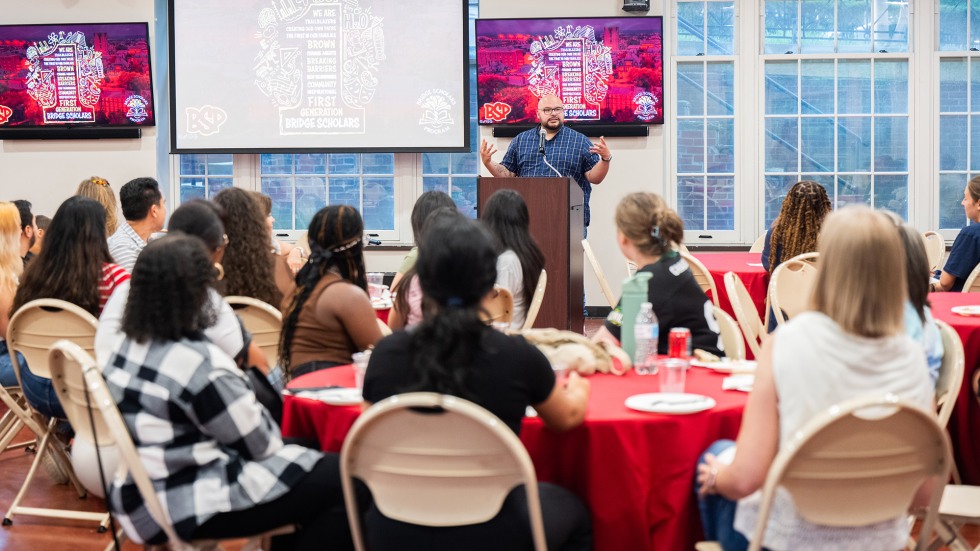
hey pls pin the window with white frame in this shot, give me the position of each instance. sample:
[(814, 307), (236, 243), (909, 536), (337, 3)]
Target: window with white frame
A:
[(383, 186)]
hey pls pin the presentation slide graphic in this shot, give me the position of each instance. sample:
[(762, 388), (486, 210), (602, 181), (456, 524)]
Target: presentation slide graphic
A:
[(605, 70), (320, 74)]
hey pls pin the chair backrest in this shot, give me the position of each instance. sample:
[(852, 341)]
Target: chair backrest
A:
[(385, 330), (263, 321), (37, 325), (935, 249), (603, 284), (758, 244), (67, 362), (748, 317), (703, 277), (631, 268), (972, 283), (950, 372), (859, 463), (130, 461), (791, 286), (500, 305), (536, 300), (731, 336), (449, 464)]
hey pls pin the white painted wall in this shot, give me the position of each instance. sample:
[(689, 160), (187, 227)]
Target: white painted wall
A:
[(637, 165), (47, 172)]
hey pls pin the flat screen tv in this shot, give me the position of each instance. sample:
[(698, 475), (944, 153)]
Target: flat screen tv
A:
[(606, 70), (75, 75)]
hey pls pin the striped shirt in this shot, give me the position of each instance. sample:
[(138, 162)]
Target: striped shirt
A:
[(125, 246), (567, 151), (112, 276)]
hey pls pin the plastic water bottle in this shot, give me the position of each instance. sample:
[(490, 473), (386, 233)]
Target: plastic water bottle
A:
[(646, 333)]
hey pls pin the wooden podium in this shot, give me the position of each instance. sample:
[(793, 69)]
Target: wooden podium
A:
[(556, 210)]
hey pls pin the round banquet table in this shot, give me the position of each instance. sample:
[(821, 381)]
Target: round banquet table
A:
[(748, 267), (634, 470), (964, 424)]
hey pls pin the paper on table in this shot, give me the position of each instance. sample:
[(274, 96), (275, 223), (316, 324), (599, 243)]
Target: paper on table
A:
[(742, 382), (755, 264)]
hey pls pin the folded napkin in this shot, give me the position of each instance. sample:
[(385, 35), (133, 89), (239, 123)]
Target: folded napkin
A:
[(742, 382)]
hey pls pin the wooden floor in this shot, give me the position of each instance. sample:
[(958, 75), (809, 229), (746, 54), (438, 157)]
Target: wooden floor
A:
[(40, 534)]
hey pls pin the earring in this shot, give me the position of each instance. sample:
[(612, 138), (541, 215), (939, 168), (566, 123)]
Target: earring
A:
[(220, 270)]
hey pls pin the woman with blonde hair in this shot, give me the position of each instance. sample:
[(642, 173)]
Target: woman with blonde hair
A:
[(646, 230), (853, 343), (98, 188), (795, 230), (11, 267)]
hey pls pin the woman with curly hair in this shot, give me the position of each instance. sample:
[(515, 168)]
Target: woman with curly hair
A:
[(74, 266), (251, 269), (98, 188), (212, 452), (329, 316), (796, 228)]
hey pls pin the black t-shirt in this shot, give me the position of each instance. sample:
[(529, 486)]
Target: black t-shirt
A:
[(509, 374), (678, 301)]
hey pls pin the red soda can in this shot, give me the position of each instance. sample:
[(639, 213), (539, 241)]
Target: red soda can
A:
[(679, 343)]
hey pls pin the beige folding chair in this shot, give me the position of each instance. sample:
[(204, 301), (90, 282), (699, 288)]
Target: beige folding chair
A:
[(631, 268), (748, 318), (263, 321), (972, 283), (731, 337), (950, 372), (859, 463), (791, 286), (451, 464), (385, 330), (10, 423), (499, 305), (32, 330), (758, 244), (603, 284), (935, 249), (536, 300), (109, 419), (703, 277)]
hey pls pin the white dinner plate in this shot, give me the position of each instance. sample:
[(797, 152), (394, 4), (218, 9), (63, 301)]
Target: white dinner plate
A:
[(972, 310), (727, 366), (334, 396), (381, 304), (664, 402)]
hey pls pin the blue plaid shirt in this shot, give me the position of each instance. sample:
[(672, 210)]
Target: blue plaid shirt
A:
[(567, 151)]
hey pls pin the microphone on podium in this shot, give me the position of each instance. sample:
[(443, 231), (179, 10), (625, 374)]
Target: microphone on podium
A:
[(541, 137)]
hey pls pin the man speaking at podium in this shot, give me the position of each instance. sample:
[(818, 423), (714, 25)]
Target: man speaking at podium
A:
[(552, 150)]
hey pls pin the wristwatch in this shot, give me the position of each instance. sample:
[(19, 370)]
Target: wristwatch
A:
[(607, 159)]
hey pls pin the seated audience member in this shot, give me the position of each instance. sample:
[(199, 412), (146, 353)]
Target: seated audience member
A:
[(965, 253), (11, 266), (852, 344), (424, 206), (329, 316), (145, 209), (42, 222), (409, 305), (295, 255), (73, 266), (919, 323), (98, 188), (214, 454), (201, 219), (795, 230), (251, 269), (646, 230), (28, 230), (454, 352), (519, 260)]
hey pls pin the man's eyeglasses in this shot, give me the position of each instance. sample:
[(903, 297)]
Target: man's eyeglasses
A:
[(553, 110)]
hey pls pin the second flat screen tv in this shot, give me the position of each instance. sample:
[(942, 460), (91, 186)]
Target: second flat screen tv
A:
[(606, 70)]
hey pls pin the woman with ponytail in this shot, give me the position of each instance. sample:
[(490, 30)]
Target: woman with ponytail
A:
[(329, 316), (453, 352)]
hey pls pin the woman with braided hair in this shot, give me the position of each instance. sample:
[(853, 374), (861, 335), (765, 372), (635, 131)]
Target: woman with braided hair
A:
[(329, 316), (796, 228)]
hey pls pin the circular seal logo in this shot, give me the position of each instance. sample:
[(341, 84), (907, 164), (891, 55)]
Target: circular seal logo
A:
[(137, 108), (436, 107), (646, 106)]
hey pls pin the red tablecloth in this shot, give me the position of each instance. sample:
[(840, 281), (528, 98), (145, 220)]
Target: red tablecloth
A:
[(382, 313), (634, 470), (748, 266), (964, 424)]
